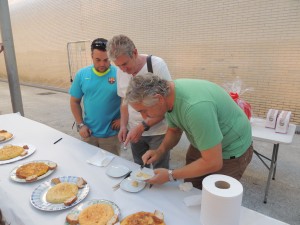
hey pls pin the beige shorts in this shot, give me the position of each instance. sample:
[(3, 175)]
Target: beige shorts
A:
[(110, 144)]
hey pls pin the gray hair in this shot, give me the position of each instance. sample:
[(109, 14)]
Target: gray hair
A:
[(143, 88), (119, 45)]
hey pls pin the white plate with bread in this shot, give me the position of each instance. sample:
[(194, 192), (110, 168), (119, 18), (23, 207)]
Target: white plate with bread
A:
[(33, 171), (5, 136), (97, 211), (117, 170), (59, 193), (143, 174), (13, 152), (132, 185)]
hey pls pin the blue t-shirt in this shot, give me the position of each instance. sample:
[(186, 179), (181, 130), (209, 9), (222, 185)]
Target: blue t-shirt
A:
[(100, 100)]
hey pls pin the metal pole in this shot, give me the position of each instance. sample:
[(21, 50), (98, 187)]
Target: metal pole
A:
[(10, 58)]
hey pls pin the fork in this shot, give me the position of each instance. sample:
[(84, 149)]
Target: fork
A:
[(117, 186)]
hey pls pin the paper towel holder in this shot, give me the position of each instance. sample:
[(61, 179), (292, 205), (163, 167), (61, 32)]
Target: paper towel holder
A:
[(222, 184)]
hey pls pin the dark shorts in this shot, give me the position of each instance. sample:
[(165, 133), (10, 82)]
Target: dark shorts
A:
[(231, 167), (149, 142)]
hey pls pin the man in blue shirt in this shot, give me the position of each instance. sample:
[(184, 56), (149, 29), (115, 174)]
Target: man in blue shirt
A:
[(98, 121)]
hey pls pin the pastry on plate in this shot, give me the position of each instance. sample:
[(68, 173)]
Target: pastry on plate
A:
[(144, 218), (99, 214), (31, 169), (4, 135), (10, 151), (61, 192)]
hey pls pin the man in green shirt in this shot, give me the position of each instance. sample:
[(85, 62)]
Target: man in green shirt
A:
[(218, 130)]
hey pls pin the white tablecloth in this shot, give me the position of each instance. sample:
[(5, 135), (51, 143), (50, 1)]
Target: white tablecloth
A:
[(71, 154)]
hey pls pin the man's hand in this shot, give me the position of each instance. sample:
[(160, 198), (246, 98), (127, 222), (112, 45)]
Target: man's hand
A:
[(85, 132), (122, 134), (161, 176), (134, 134), (151, 156), (115, 124)]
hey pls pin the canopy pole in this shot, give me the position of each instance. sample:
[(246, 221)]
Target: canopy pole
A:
[(10, 58)]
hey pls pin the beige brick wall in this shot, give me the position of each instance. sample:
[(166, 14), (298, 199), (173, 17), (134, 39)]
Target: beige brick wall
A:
[(217, 40)]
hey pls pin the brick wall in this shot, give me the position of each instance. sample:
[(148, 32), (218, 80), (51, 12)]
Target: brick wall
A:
[(217, 40)]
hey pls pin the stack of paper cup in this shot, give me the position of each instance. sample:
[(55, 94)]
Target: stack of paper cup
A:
[(221, 200)]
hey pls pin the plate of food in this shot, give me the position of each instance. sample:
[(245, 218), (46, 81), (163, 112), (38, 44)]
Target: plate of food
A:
[(142, 174), (33, 171), (14, 152), (117, 170), (132, 185), (59, 193), (144, 218), (5, 136), (94, 212)]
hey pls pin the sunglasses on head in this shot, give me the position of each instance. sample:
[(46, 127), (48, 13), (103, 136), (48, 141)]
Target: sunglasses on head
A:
[(99, 44)]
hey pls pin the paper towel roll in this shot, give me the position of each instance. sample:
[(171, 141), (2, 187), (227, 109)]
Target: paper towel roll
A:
[(221, 200)]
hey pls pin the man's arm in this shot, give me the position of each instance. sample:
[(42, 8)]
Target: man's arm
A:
[(211, 161), (123, 121), (170, 140), (76, 109)]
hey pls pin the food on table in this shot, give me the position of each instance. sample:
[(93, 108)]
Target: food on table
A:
[(80, 182), (11, 151), (134, 183), (143, 175), (144, 218), (99, 214), (4, 135), (52, 165), (70, 201), (61, 192), (31, 170), (55, 180)]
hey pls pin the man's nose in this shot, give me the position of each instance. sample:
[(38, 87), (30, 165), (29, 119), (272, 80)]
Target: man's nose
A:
[(144, 115)]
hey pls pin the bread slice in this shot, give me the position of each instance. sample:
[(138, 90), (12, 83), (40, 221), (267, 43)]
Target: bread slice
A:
[(52, 165), (72, 219), (70, 201), (81, 182), (24, 153), (159, 214), (31, 178), (55, 181)]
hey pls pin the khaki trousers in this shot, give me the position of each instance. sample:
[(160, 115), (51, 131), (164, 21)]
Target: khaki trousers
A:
[(110, 144), (231, 167)]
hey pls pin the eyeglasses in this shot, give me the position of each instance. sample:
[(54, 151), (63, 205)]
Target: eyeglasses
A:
[(99, 44)]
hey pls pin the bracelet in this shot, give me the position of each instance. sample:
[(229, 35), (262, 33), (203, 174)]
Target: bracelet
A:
[(79, 126), (171, 178)]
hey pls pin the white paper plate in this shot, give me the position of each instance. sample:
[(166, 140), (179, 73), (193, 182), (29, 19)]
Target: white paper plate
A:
[(84, 205), (126, 185), (117, 170), (31, 149), (38, 197), (8, 139), (14, 177), (144, 174)]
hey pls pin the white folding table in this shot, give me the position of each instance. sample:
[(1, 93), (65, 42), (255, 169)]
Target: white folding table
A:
[(261, 133)]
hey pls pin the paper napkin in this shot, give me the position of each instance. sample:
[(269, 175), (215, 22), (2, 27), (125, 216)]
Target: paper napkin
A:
[(192, 200), (101, 158)]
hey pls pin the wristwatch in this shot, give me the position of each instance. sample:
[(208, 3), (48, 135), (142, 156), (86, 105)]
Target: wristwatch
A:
[(145, 125), (171, 178), (79, 126)]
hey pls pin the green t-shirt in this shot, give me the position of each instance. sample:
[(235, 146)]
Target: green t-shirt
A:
[(208, 116)]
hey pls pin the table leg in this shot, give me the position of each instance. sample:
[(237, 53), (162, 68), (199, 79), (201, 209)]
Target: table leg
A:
[(271, 170), (276, 154)]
